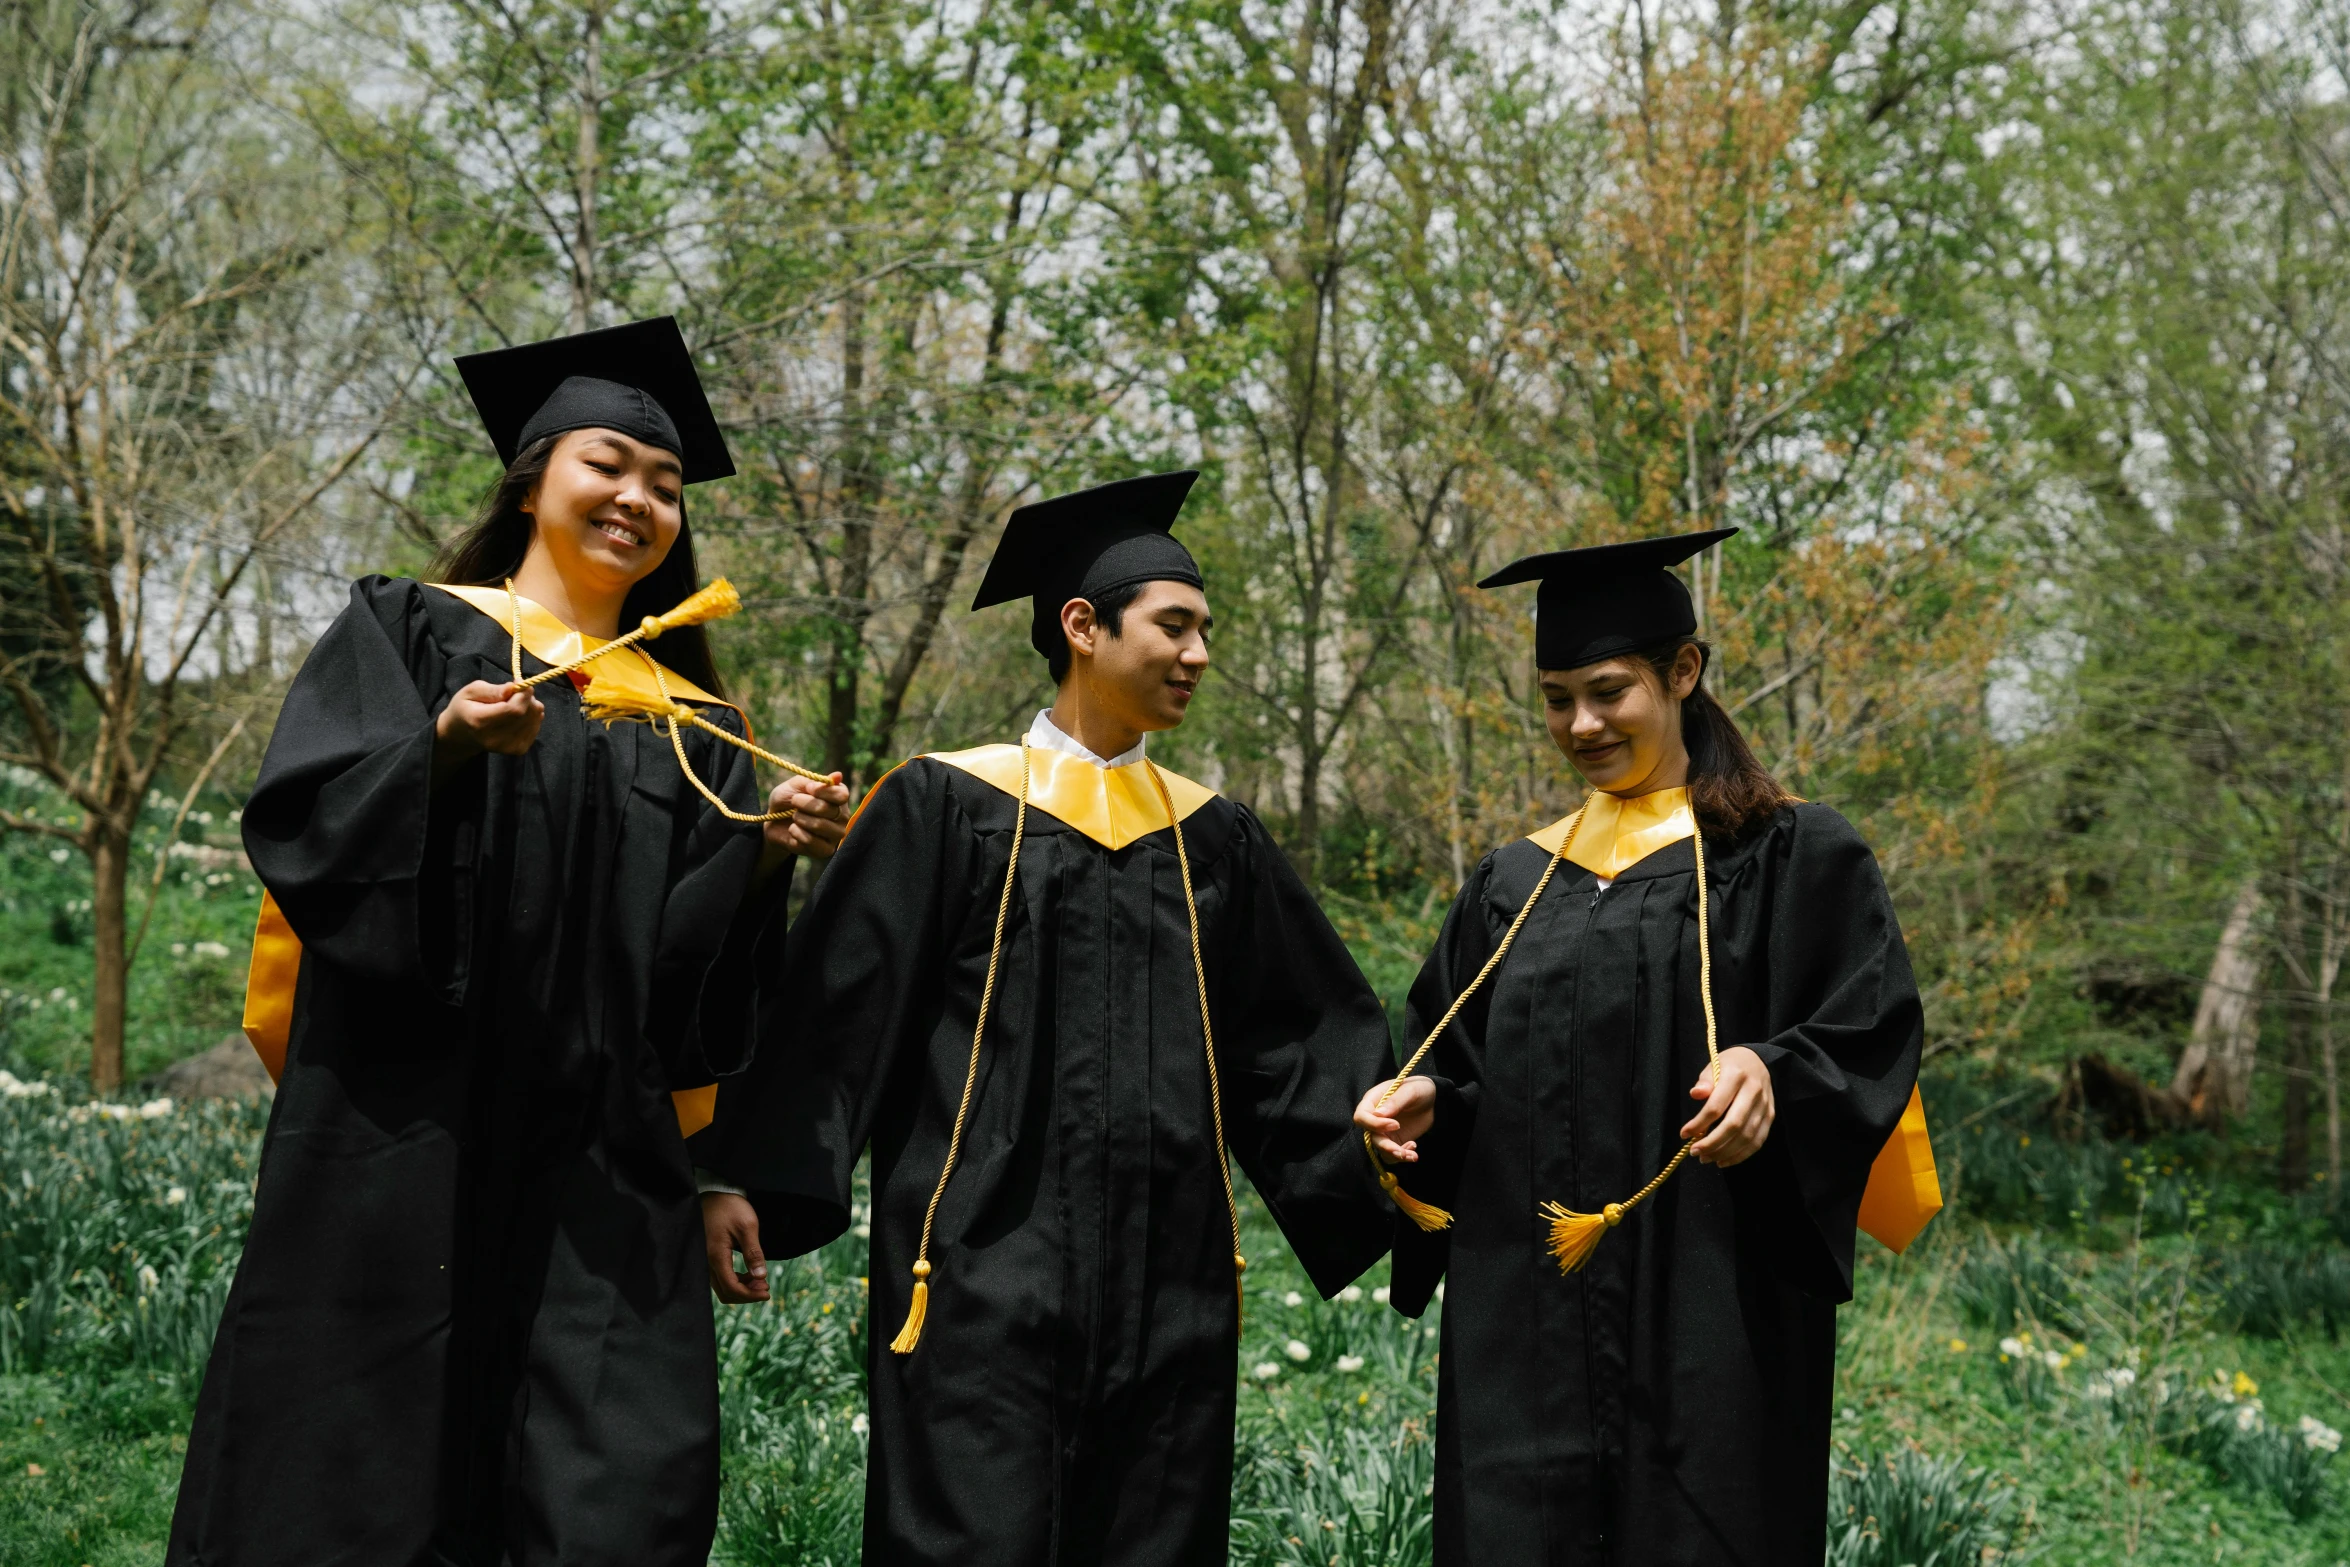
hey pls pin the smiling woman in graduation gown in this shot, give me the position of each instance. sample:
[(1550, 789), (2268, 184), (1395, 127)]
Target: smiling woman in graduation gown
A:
[(1070, 1397), (1667, 1403), (469, 1324)]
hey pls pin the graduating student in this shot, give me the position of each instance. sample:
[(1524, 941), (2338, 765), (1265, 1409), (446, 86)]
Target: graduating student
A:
[(1636, 1368), (1050, 1065), (506, 950)]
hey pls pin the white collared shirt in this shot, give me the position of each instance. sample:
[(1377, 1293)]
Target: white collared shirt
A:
[(1046, 735)]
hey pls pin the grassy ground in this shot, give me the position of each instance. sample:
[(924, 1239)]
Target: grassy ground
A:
[(2102, 1353)]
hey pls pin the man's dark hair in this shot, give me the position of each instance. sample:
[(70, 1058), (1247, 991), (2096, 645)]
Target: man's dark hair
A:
[(1109, 612)]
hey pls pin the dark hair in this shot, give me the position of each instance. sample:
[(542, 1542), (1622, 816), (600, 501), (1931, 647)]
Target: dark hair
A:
[(491, 550), (1729, 788), (1109, 612)]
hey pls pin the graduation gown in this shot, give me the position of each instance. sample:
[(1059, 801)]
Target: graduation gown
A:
[(1668, 1404), (471, 1324), (1072, 1397)]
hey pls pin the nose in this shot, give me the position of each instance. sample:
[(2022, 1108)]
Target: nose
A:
[(1586, 723), (632, 497), (1193, 656)]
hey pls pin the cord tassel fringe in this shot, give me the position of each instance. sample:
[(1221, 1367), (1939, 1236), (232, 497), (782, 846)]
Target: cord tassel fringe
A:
[(911, 1334), (1426, 1215), (1574, 1236)]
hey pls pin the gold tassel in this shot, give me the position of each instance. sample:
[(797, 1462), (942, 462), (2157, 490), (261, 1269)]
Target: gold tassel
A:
[(1426, 1215), (609, 702), (1573, 1236), (1240, 1289), (715, 602), (911, 1334)]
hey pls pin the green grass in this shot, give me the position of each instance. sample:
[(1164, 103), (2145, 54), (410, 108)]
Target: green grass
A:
[(2172, 1287)]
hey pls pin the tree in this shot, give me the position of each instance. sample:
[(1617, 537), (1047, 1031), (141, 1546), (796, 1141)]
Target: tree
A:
[(174, 403)]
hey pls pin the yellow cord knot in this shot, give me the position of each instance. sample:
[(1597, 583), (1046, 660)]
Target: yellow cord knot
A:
[(651, 626), (1613, 1213), (922, 1270)]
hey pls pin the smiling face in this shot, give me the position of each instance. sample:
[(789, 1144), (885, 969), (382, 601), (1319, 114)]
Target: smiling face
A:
[(1619, 724), (1144, 676), (606, 511)]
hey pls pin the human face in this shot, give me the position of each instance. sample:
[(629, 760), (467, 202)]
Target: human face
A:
[(1619, 724), (1144, 677), (606, 511)]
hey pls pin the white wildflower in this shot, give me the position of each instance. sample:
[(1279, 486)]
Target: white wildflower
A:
[(2319, 1437), (1264, 1371), (179, 949), (149, 1278), (155, 1109), (60, 856), (1355, 1363), (859, 1424), (2248, 1417), (174, 1197), (1296, 1350), (58, 994), (1440, 1289), (1379, 1295), (2013, 1347), (1351, 1294), (2053, 1359), (1293, 1298), (12, 1087)]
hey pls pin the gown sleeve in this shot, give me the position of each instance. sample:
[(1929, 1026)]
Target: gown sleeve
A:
[(1455, 1064), (343, 827), (1307, 1034), (720, 937), (861, 969), (1846, 1030)]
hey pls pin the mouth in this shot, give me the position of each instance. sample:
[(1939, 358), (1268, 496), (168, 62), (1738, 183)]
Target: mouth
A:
[(1183, 692), (1599, 753), (620, 532)]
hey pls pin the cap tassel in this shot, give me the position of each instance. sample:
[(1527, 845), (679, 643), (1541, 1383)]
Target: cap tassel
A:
[(1426, 1215), (911, 1334), (610, 702), (715, 602), (1574, 1236)]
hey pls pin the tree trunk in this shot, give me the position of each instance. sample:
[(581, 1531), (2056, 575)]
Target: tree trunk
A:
[(587, 159), (2293, 1145), (110, 856), (2215, 1071)]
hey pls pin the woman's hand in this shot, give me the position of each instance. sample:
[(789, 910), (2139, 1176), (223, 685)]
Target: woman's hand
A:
[(484, 717), (730, 1224), (1736, 1120), (1396, 1130), (820, 814)]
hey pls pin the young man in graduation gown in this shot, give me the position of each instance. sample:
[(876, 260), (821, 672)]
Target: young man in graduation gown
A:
[(506, 949), (1645, 1382), (1064, 1391)]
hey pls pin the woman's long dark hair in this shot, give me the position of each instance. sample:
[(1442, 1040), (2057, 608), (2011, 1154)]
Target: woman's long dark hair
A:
[(1729, 788), (491, 550)]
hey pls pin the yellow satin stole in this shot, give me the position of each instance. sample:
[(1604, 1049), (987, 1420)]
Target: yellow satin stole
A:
[(1904, 1188), (1111, 805), (277, 952)]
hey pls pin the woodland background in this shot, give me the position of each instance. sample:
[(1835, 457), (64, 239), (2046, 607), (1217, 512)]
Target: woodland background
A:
[(2014, 336)]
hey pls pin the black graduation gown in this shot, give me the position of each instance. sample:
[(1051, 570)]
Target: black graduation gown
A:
[(1669, 1404), (1072, 1397), (470, 1324)]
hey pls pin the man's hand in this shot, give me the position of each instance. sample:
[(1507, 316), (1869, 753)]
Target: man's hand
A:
[(820, 814), (484, 717), (1397, 1129), (1736, 1120), (729, 1225)]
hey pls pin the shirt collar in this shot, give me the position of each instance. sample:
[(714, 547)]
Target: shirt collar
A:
[(1046, 735)]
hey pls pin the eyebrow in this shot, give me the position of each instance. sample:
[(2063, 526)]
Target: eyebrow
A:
[(628, 448)]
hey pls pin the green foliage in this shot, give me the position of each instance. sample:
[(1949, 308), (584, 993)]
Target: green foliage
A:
[(1908, 1510)]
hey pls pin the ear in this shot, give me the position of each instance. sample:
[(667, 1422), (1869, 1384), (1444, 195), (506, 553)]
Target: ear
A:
[(1079, 626), (1688, 664)]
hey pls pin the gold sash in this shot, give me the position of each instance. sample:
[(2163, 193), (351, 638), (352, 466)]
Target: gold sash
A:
[(1111, 805)]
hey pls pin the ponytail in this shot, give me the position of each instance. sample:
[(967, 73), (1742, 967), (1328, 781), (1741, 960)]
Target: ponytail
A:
[(1729, 788)]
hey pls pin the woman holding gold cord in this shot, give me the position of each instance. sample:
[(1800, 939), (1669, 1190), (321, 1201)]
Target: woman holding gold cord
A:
[(1668, 1037), (506, 951)]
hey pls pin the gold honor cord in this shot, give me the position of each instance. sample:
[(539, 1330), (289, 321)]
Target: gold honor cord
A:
[(611, 704), (1426, 1214), (1208, 1032), (1573, 1235), (919, 1309), (911, 1334)]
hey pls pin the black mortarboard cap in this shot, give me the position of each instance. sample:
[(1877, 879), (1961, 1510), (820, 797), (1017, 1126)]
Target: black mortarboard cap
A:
[(1608, 600), (638, 379), (1083, 545)]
